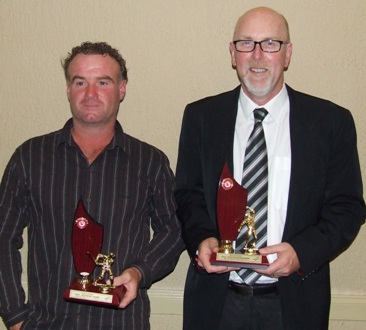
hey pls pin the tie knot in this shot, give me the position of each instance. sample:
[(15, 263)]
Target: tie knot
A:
[(260, 114)]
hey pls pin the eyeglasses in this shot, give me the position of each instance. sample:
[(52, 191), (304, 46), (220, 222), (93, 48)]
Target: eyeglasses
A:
[(268, 46)]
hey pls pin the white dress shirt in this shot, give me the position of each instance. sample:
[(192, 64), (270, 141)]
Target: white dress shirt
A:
[(277, 134)]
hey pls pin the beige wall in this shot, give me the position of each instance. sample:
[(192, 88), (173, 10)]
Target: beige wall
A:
[(177, 51)]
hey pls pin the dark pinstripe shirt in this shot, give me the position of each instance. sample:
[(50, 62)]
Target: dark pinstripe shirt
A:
[(128, 189)]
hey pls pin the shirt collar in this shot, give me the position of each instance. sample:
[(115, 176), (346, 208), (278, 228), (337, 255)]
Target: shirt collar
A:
[(247, 105), (118, 139)]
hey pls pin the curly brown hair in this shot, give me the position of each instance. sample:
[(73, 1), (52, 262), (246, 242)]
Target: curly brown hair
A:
[(95, 48)]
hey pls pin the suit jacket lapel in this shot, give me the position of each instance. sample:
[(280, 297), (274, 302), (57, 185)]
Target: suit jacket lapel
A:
[(302, 153), (228, 126)]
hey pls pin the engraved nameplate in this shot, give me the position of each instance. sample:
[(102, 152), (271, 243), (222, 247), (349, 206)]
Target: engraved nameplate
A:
[(91, 296)]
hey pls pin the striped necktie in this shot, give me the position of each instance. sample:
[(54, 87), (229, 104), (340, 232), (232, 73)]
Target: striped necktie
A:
[(255, 180)]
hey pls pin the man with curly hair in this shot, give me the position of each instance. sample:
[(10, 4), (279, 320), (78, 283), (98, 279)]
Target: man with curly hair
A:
[(126, 186)]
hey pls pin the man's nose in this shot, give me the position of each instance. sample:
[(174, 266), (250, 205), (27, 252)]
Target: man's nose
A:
[(257, 51), (91, 90)]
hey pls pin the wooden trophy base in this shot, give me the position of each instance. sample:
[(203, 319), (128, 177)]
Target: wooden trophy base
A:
[(92, 294), (240, 260)]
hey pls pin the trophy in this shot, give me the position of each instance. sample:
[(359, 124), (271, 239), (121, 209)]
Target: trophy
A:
[(87, 239), (232, 214)]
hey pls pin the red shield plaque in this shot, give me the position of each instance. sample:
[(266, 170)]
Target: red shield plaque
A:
[(87, 238), (231, 211), (231, 205)]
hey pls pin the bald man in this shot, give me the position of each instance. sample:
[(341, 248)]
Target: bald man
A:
[(314, 206)]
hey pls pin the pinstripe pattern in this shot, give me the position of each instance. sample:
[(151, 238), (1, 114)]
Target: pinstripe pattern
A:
[(128, 189), (255, 180)]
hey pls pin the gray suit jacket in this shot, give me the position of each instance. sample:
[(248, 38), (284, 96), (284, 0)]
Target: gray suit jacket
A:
[(325, 204)]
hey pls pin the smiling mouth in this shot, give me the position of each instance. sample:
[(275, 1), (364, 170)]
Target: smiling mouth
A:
[(258, 70)]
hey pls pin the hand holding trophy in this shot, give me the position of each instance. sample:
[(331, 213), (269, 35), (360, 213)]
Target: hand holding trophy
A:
[(232, 215), (87, 238)]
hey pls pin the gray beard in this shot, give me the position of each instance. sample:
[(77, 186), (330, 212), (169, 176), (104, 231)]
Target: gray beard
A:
[(262, 91)]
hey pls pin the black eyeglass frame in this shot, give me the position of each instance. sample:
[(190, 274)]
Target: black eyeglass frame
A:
[(255, 43)]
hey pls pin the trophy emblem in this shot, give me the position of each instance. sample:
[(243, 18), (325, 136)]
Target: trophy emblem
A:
[(232, 215), (87, 239)]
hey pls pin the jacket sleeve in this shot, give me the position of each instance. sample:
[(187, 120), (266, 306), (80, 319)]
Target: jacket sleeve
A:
[(332, 209), (197, 225)]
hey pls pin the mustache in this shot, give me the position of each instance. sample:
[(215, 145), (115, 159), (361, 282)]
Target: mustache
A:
[(258, 65)]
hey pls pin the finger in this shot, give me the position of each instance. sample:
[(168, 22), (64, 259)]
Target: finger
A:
[(118, 281), (269, 250), (229, 269), (125, 301), (215, 269), (273, 268), (130, 295)]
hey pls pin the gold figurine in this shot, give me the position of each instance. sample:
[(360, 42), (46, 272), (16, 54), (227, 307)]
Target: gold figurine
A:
[(105, 261), (251, 233)]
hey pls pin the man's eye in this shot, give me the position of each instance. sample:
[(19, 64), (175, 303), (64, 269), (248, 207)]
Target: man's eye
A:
[(247, 43), (269, 43)]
